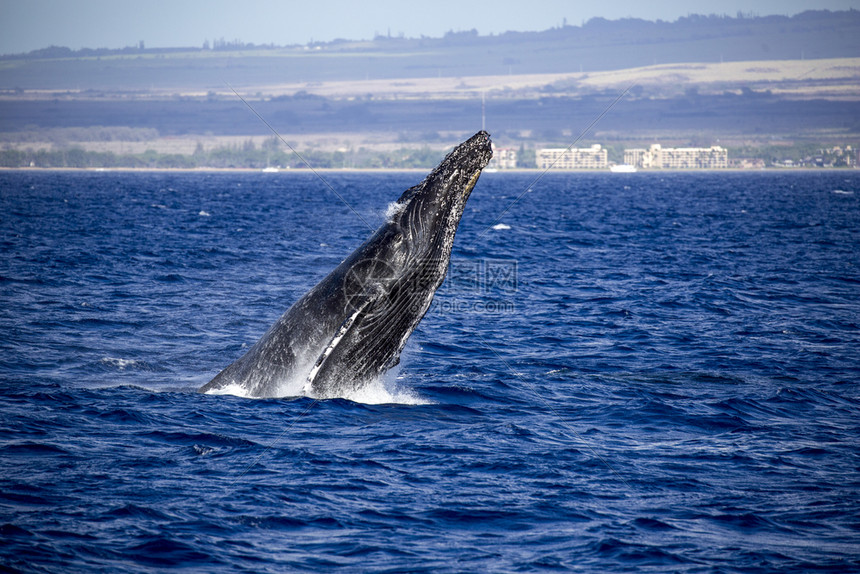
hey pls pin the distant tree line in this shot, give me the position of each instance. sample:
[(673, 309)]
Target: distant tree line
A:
[(245, 156), (77, 157), (61, 52), (804, 154), (272, 154)]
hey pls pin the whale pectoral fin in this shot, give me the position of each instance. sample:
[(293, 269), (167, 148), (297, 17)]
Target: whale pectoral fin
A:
[(339, 335), (368, 343)]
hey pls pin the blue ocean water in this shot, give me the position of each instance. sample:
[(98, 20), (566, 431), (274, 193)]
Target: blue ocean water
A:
[(645, 372)]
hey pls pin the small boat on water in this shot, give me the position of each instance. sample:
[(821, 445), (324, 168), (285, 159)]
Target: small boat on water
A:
[(622, 168)]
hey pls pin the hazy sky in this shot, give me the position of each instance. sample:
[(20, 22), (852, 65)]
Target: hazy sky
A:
[(31, 24)]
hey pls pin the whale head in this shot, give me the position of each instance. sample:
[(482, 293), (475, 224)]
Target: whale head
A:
[(426, 217)]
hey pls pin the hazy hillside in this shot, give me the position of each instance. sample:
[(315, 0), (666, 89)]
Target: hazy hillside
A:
[(698, 80), (548, 118), (596, 45)]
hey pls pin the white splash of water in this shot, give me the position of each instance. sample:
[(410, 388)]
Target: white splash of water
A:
[(234, 389), (393, 209), (383, 390), (386, 390)]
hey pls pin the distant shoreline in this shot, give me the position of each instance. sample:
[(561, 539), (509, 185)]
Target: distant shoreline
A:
[(414, 170)]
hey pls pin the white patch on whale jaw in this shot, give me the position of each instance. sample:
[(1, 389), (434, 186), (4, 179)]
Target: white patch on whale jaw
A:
[(338, 337)]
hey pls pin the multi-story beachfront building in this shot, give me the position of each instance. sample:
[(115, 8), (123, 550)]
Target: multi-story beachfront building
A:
[(677, 158), (593, 157), (503, 158)]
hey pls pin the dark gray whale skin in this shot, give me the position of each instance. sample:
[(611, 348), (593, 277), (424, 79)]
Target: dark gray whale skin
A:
[(351, 327)]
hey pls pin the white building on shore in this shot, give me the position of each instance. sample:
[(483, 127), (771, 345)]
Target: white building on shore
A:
[(503, 158), (594, 157), (659, 157)]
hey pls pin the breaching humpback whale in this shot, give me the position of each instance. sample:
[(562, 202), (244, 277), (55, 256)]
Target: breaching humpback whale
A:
[(351, 327)]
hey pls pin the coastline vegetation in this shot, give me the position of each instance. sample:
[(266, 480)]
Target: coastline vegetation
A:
[(272, 154), (245, 156)]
